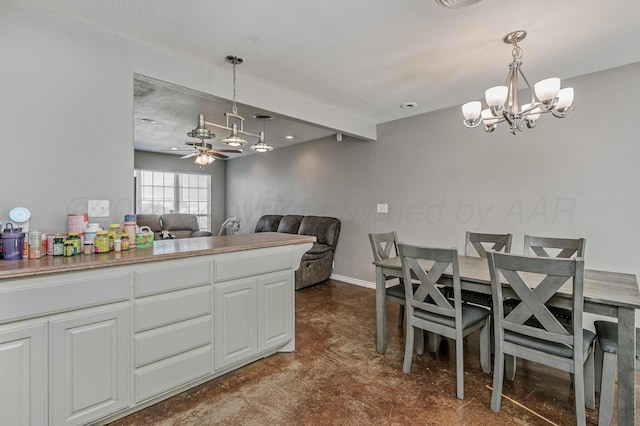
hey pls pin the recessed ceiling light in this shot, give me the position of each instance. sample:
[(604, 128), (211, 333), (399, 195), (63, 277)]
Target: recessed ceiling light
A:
[(409, 105), (173, 148), (147, 121), (288, 137)]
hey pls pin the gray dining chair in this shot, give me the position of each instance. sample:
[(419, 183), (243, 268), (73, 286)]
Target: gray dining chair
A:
[(384, 246), (428, 309), (481, 243), (530, 331), (606, 360), (566, 247)]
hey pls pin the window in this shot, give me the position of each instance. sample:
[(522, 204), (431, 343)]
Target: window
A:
[(160, 192)]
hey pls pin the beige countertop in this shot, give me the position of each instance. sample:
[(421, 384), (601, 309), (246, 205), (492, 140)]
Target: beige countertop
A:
[(161, 250)]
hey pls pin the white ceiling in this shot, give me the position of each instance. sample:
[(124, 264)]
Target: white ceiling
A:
[(366, 57)]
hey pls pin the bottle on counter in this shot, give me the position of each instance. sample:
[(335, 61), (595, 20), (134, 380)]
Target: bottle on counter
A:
[(58, 246), (75, 239), (69, 248), (117, 243), (35, 244), (125, 241), (114, 229), (101, 242), (130, 228)]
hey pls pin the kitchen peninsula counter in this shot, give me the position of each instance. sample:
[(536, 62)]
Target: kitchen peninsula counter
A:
[(87, 339), (161, 250)]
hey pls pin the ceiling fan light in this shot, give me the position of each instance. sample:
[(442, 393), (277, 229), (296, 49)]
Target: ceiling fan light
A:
[(202, 159)]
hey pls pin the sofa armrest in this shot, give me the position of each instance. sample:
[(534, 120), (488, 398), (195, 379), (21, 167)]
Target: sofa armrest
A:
[(201, 234)]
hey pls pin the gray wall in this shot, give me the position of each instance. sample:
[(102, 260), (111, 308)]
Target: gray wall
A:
[(567, 177), (173, 163)]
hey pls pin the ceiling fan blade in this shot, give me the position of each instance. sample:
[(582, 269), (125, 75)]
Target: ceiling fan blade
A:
[(193, 154), (235, 151), (217, 154)]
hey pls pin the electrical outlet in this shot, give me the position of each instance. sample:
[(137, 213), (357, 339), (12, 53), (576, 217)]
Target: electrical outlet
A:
[(383, 208)]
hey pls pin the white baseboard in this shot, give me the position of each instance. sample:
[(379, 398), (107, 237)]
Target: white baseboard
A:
[(355, 281)]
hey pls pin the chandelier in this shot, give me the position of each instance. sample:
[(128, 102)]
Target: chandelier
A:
[(236, 126), (502, 101)]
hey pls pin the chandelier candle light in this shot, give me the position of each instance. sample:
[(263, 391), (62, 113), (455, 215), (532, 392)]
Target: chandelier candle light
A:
[(502, 101)]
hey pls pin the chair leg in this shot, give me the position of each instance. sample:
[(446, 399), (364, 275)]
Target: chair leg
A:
[(589, 390), (459, 365), (408, 349), (578, 390), (401, 316), (419, 340), (607, 388), (510, 367), (434, 342), (598, 366), (498, 376), (485, 346)]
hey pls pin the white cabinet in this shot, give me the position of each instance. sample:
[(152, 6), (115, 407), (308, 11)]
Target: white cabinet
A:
[(23, 385), (173, 333), (236, 326), (90, 364), (275, 310), (252, 315)]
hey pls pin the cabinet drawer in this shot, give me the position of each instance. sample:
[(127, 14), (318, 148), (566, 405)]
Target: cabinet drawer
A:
[(245, 264), (33, 297), (172, 340), (174, 276), (164, 309), (163, 376)]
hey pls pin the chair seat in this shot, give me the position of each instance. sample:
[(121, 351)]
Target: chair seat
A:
[(608, 337), (550, 347), (471, 315), (398, 290)]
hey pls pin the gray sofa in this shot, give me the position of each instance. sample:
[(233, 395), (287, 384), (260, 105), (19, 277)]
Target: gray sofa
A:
[(180, 225), (317, 263)]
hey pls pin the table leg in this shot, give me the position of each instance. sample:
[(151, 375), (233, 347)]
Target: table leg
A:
[(381, 311), (626, 366)]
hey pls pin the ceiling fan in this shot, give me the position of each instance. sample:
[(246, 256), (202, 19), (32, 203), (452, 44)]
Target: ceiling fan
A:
[(205, 148)]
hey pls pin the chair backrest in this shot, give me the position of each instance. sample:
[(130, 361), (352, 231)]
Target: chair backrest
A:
[(566, 247), (535, 280), (230, 226), (384, 245), (428, 296), (500, 242)]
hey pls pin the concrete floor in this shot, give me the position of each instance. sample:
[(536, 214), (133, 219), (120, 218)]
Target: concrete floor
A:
[(336, 377)]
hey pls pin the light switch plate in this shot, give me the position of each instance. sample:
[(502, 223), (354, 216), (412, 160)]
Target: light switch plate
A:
[(383, 208), (98, 208)]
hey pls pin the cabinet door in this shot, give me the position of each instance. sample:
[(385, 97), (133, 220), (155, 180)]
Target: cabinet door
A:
[(235, 321), (90, 364), (23, 372), (275, 311)]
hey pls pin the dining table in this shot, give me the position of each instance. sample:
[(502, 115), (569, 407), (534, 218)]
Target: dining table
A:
[(612, 294)]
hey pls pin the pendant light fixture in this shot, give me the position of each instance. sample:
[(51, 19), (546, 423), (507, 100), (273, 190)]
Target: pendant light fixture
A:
[(236, 127), (262, 145), (502, 101)]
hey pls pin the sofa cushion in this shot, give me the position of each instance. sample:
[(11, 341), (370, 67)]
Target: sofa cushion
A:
[(318, 248), (290, 223), (268, 223), (325, 229)]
